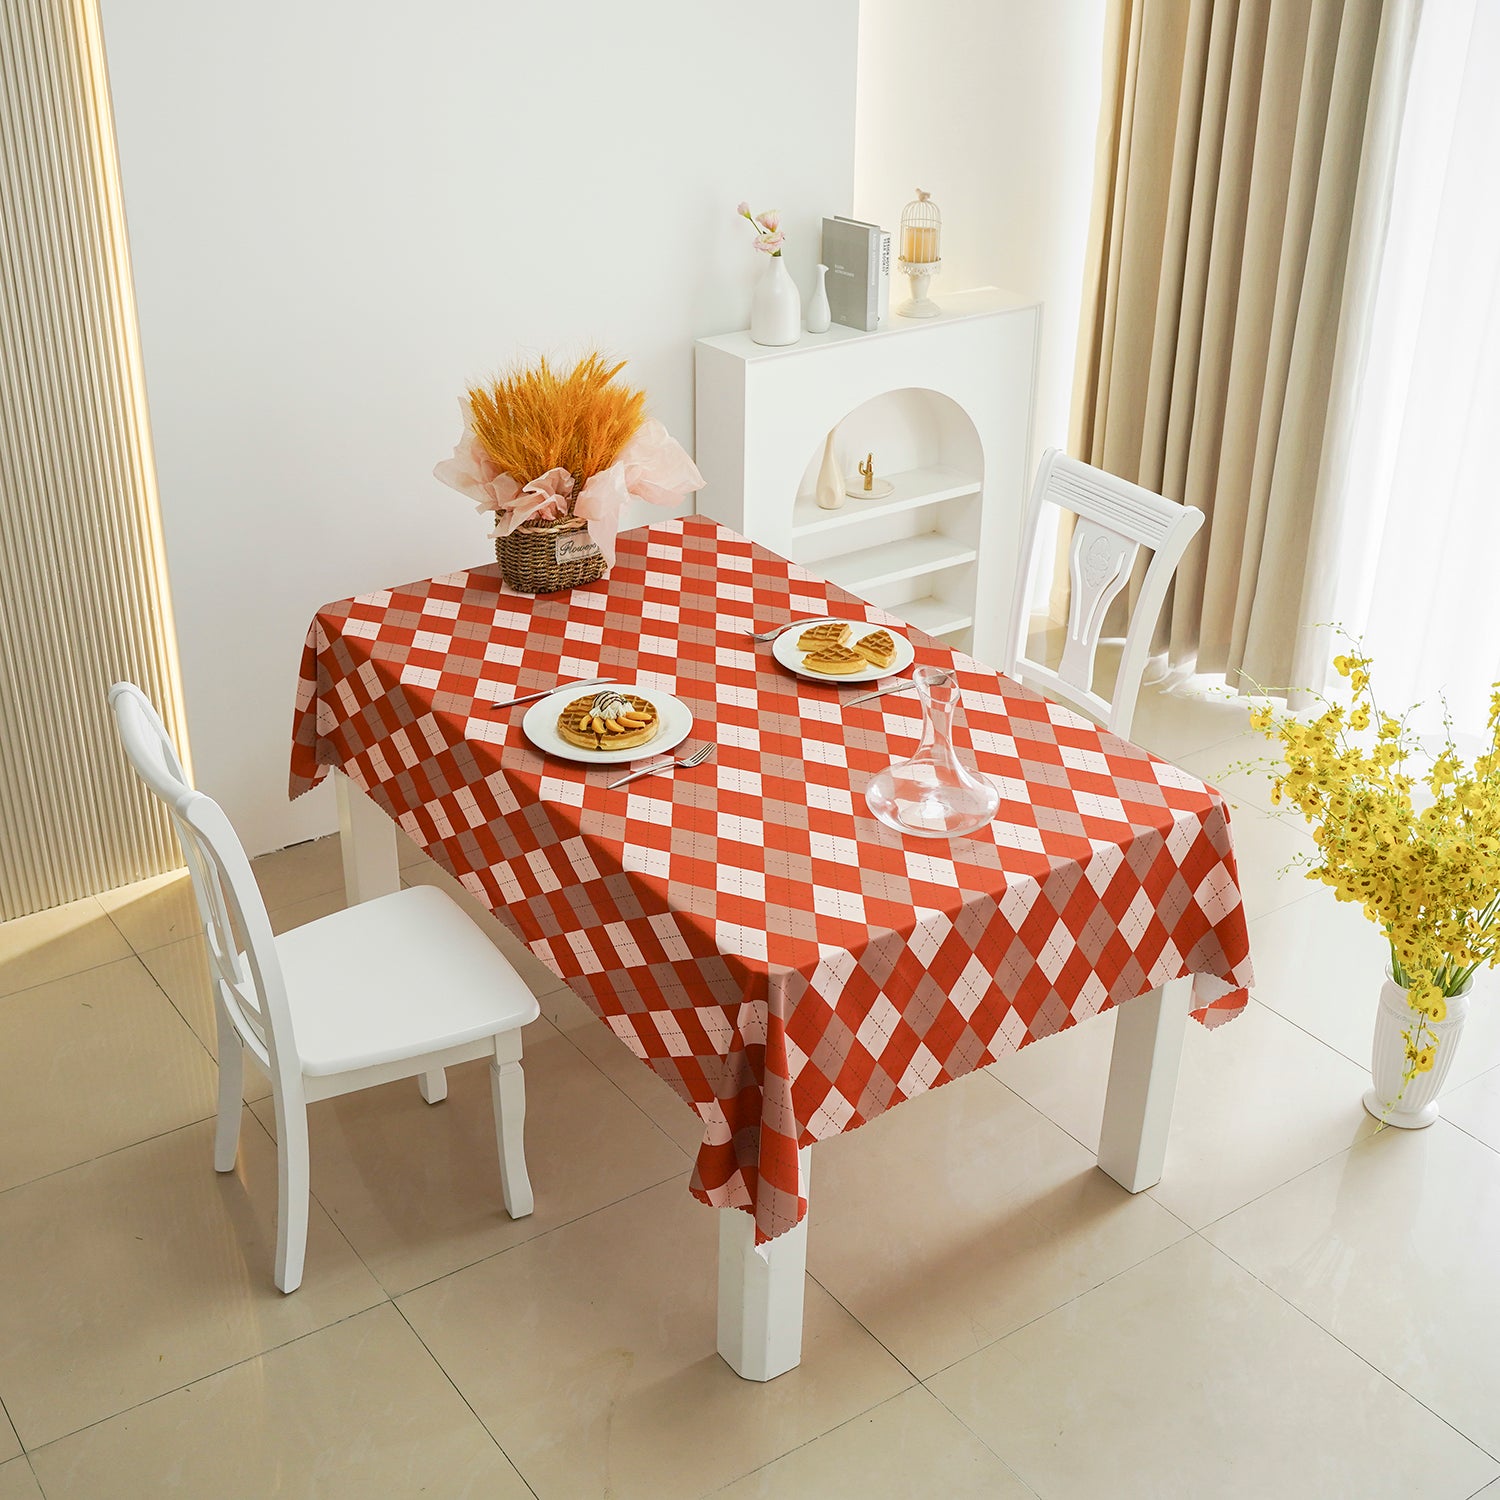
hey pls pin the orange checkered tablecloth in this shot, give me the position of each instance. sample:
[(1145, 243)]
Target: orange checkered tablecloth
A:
[(789, 965)]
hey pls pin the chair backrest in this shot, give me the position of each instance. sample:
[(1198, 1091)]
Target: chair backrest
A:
[(241, 950), (1115, 519)]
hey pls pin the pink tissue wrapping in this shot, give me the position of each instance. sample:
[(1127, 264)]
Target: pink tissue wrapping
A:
[(653, 466)]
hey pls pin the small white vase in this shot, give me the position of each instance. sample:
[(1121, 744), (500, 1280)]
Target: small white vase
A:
[(819, 315), (829, 490), (776, 310), (1417, 1107)]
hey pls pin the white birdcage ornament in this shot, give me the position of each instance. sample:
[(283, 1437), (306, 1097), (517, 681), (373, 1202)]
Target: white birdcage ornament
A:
[(921, 233)]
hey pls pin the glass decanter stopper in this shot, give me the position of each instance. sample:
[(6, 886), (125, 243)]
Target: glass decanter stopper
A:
[(933, 794)]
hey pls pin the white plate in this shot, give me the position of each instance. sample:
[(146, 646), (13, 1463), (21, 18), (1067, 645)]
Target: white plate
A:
[(784, 649), (540, 726)]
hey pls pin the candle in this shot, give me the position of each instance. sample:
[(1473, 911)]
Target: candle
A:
[(919, 242)]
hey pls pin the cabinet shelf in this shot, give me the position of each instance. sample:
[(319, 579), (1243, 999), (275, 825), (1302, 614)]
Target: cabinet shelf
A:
[(912, 489), (935, 616), (890, 562)]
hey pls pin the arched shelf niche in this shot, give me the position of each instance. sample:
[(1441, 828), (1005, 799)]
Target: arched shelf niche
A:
[(950, 393), (914, 551)]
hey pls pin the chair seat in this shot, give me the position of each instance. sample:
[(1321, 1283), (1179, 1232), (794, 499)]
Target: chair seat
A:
[(395, 978)]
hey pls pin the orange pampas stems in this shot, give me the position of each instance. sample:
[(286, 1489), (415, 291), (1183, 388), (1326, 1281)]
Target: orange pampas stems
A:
[(533, 418)]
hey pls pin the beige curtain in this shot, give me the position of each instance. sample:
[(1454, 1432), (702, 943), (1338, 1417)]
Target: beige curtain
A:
[(1245, 156)]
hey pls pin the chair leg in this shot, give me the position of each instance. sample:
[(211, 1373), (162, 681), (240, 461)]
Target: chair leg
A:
[(508, 1090), (434, 1086), (293, 1187), (231, 1081)]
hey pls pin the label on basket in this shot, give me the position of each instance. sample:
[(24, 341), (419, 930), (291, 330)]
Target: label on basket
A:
[(575, 547)]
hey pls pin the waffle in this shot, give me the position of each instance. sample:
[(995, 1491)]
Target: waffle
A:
[(877, 648), (830, 633), (836, 661), (609, 721)]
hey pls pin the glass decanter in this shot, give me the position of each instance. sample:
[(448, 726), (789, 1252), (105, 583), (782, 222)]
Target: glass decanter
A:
[(933, 794)]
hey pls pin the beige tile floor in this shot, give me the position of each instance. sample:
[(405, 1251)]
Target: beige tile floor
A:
[(1302, 1307)]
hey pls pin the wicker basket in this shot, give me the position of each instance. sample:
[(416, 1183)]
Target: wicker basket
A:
[(541, 557)]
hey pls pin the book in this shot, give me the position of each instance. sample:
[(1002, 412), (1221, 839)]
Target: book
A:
[(851, 251), (883, 286)]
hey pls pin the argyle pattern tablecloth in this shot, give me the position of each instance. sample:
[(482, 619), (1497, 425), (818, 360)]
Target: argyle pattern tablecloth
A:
[(788, 964)]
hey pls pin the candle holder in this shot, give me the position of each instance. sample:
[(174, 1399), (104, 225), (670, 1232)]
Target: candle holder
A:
[(919, 261)]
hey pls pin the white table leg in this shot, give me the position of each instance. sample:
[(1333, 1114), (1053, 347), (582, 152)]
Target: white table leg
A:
[(371, 865), (760, 1294), (1142, 1085)]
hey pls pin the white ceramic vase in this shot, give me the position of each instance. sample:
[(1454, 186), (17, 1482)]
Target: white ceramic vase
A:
[(1417, 1107), (829, 490), (776, 310), (819, 314)]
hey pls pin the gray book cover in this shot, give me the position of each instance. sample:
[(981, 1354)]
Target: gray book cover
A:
[(851, 251)]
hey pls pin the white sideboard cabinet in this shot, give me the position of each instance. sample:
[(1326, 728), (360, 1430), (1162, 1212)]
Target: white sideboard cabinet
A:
[(944, 405)]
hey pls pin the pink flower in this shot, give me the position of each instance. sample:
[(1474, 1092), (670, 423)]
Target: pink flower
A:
[(771, 220), (743, 210), (770, 243)]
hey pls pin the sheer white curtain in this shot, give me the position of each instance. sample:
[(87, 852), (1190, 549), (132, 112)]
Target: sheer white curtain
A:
[(1419, 552)]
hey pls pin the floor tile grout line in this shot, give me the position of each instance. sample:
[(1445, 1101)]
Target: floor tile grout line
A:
[(5, 1417), (1067, 1302), (856, 1320), (1302, 1313), (313, 1198), (610, 1081), (1390, 1380), (208, 1375), (534, 1239), (488, 1431), (197, 931), (1464, 1130), (26, 989), (89, 1161), (817, 1437), (979, 1437), (1190, 1233), (246, 1107), (1297, 1176), (386, 1295)]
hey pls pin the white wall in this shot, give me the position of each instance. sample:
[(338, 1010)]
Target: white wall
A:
[(340, 213), (992, 106)]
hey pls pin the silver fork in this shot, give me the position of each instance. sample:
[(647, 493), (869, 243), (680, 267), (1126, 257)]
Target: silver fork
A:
[(687, 762), (771, 634)]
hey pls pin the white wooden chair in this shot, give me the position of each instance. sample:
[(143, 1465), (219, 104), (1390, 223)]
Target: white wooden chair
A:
[(1115, 520), (397, 987)]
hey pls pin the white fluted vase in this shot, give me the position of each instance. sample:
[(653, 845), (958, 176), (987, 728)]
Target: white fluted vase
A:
[(1417, 1107), (776, 309)]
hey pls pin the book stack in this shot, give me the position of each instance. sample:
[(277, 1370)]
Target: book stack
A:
[(858, 257)]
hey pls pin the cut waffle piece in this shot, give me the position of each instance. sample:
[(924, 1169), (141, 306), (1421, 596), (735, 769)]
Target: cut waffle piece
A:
[(830, 633), (836, 661), (631, 721), (877, 648)]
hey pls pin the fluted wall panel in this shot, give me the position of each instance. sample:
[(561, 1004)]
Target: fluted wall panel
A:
[(83, 595)]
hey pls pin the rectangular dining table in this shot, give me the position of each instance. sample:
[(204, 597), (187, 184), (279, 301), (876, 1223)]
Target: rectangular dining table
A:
[(788, 964)]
